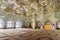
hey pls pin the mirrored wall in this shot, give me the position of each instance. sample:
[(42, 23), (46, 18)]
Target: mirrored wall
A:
[(29, 13)]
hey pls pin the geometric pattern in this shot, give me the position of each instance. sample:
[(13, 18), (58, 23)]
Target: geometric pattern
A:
[(29, 34)]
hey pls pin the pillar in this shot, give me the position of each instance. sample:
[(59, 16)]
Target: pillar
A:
[(34, 21)]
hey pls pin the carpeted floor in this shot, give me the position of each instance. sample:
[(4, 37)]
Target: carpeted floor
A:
[(29, 34)]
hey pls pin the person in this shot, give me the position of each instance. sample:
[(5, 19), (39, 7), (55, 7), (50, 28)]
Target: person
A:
[(37, 25), (53, 27), (24, 25), (48, 25), (30, 25), (18, 24), (41, 25)]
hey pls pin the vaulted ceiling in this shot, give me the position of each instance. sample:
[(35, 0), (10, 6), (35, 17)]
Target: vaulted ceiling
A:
[(43, 9)]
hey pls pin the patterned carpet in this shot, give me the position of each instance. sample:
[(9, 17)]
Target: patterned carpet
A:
[(29, 34)]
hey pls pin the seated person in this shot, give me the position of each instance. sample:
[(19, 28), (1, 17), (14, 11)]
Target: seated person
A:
[(37, 25), (24, 25), (30, 25), (53, 26), (48, 25), (41, 25)]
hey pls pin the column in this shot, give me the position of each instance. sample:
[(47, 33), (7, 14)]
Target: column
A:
[(34, 21)]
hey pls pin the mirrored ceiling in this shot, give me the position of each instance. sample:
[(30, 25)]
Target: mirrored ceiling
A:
[(25, 10)]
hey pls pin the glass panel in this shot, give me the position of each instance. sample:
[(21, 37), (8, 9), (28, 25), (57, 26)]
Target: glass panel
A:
[(10, 24), (1, 23), (18, 24)]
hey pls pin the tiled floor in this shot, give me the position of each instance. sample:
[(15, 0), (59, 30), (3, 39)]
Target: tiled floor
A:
[(29, 34)]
